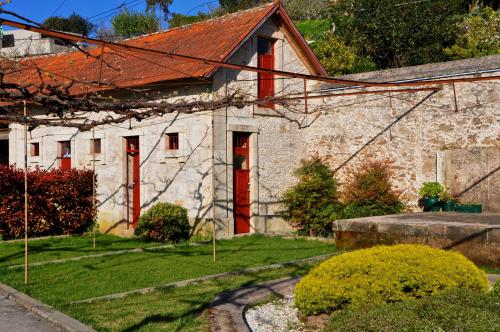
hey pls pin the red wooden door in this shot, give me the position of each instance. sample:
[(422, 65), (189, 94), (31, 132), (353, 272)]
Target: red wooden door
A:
[(65, 154), (133, 179), (241, 176), (265, 51)]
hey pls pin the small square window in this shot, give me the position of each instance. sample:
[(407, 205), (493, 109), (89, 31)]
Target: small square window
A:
[(172, 142), (8, 41), (35, 149), (65, 149), (95, 146)]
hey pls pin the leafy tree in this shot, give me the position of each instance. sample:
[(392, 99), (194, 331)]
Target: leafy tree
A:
[(163, 5), (74, 23), (397, 33), (313, 30), (129, 24), (235, 5), (178, 20), (478, 35), (306, 9)]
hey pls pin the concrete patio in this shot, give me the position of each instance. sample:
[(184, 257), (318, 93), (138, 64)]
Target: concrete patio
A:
[(477, 236)]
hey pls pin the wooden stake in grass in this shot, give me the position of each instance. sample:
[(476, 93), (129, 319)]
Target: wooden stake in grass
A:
[(93, 183), (25, 197)]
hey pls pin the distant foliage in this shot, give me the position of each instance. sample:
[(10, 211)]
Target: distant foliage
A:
[(369, 191), (129, 24), (230, 6), (385, 274), (74, 23), (164, 222), (59, 202), (307, 9), (178, 20), (399, 33), (312, 204), (314, 30), (478, 35)]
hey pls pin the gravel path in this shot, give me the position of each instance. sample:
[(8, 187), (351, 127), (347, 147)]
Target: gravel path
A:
[(276, 316)]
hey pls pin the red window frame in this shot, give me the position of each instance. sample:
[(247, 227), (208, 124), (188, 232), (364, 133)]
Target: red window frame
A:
[(35, 149), (172, 141), (95, 146)]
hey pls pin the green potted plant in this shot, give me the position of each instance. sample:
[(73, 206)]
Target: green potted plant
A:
[(430, 193), (447, 202), (469, 207)]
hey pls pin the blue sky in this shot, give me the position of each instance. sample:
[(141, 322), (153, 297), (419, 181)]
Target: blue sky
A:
[(38, 10)]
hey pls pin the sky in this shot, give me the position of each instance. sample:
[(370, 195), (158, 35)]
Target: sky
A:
[(97, 11)]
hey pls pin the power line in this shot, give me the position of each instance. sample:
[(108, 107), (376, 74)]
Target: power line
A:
[(58, 7)]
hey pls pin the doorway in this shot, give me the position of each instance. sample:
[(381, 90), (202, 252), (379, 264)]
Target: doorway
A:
[(241, 185), (65, 154), (133, 180)]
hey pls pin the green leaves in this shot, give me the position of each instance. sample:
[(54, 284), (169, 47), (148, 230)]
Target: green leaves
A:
[(129, 24)]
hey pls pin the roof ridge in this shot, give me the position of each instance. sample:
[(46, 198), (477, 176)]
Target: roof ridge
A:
[(215, 18)]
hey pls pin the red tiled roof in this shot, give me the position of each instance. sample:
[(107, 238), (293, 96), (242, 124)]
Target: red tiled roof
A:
[(214, 39)]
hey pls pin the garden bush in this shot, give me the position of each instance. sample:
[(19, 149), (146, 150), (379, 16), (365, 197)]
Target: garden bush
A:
[(455, 310), (164, 222), (59, 202), (369, 192), (312, 204), (385, 274)]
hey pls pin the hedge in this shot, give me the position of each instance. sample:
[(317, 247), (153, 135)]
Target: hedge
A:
[(385, 274), (59, 202), (457, 310)]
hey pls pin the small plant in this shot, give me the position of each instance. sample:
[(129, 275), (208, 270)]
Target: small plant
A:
[(312, 204), (385, 274), (431, 190), (496, 289), (164, 222), (369, 192)]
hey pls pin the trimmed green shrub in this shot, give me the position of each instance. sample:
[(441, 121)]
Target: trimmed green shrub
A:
[(369, 192), (164, 222), (312, 204), (385, 274), (457, 310)]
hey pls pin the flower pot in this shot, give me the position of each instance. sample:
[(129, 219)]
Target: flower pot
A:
[(469, 208), (432, 205), (449, 206)]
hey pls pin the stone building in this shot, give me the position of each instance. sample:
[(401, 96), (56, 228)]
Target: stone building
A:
[(21, 43), (235, 163)]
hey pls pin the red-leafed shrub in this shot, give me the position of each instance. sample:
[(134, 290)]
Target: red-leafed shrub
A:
[(59, 202)]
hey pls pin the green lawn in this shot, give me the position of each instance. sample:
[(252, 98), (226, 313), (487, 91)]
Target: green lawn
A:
[(174, 309), (59, 284), (12, 252)]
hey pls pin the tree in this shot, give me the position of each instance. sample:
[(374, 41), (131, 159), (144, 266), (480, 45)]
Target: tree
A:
[(74, 23), (396, 33), (129, 24), (306, 9), (229, 6), (478, 35), (178, 20), (163, 5)]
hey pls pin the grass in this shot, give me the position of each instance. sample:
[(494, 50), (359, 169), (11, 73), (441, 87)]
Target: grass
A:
[(174, 309), (59, 284), (12, 252), (491, 270), (458, 310)]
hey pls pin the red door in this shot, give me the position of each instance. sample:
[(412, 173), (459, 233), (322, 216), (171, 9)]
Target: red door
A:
[(133, 180), (65, 154), (241, 176), (265, 51)]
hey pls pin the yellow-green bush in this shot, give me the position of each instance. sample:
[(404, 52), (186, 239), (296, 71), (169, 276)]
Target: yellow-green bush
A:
[(385, 274)]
